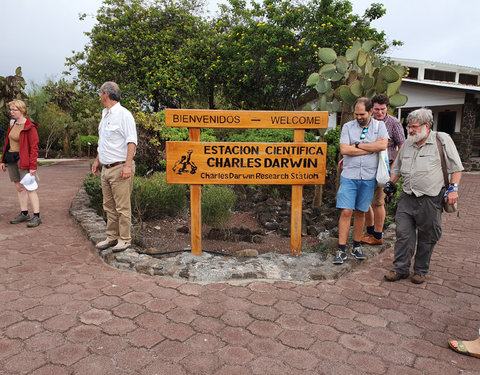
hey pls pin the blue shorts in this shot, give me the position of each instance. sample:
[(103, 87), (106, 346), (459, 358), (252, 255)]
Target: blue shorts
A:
[(355, 194)]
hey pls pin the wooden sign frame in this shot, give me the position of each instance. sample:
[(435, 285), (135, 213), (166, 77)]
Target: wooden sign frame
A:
[(195, 119), (246, 163)]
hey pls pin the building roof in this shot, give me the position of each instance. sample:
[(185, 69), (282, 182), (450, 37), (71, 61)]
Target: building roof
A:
[(437, 65), (449, 85)]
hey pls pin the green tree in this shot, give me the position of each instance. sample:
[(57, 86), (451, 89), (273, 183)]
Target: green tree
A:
[(11, 87), (267, 50), (52, 126), (165, 54), (157, 51), (80, 110)]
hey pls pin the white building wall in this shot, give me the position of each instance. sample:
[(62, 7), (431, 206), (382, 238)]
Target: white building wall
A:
[(427, 96)]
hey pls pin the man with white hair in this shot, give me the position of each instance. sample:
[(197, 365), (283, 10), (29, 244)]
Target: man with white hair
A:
[(419, 212), (117, 143)]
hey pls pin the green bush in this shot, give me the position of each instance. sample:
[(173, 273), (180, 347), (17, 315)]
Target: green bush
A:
[(217, 205), (332, 137), (85, 140), (153, 197), (93, 187), (266, 135), (391, 206)]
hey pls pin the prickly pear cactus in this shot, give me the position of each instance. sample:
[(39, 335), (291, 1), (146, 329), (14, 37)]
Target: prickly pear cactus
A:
[(343, 79)]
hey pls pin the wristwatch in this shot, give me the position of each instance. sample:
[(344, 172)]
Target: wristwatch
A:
[(356, 144), (453, 187)]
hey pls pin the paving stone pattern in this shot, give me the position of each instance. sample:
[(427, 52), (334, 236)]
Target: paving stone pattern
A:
[(64, 311)]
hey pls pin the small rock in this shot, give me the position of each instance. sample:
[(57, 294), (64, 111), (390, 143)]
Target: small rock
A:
[(149, 251), (271, 225), (246, 253), (312, 231), (182, 229), (257, 238)]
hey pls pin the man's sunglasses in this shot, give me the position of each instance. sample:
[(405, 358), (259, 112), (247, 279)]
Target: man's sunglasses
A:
[(364, 131)]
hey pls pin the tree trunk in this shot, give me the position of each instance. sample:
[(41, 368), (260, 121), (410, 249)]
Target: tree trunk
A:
[(211, 104), (67, 143)]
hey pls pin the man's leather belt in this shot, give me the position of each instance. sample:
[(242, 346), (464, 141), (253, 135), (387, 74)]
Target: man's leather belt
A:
[(113, 164)]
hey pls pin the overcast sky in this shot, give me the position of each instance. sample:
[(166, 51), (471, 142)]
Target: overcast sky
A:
[(39, 35)]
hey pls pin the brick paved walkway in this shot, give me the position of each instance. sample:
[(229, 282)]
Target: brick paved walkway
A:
[(63, 311)]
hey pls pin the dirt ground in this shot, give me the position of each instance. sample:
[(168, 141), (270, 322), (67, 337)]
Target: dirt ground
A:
[(166, 235)]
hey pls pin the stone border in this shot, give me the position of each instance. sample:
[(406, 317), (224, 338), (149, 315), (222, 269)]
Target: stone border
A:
[(209, 268)]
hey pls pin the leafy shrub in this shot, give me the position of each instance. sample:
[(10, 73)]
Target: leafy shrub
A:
[(266, 135), (319, 248), (332, 137), (53, 121), (88, 144), (153, 197), (86, 140), (391, 206), (93, 187), (217, 205), (142, 170)]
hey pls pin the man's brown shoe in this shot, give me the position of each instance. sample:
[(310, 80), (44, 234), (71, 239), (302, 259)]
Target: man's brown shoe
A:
[(418, 279), (393, 276), (370, 240)]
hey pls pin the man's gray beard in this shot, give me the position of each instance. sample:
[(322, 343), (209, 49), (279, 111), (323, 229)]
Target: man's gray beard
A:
[(417, 137)]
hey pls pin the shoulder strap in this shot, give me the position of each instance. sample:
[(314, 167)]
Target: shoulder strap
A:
[(442, 159)]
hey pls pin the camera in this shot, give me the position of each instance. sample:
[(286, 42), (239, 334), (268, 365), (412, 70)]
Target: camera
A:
[(390, 188)]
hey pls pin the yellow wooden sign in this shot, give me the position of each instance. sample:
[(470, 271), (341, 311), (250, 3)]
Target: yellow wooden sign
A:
[(203, 118), (246, 163)]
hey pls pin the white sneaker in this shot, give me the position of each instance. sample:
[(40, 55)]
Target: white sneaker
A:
[(120, 246), (105, 244)]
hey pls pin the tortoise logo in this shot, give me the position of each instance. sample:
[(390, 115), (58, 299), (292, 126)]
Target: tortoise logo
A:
[(185, 165)]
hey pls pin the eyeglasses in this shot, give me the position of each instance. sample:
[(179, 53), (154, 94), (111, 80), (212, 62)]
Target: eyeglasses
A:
[(415, 127), (364, 131)]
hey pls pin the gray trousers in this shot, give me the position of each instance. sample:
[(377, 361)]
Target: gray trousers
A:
[(419, 227)]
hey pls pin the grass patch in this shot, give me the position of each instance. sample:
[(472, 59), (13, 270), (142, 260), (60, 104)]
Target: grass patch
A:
[(39, 163), (316, 249)]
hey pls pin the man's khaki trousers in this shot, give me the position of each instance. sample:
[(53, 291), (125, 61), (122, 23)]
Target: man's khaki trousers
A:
[(116, 202)]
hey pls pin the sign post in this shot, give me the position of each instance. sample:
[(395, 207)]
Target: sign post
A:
[(196, 163), (195, 206)]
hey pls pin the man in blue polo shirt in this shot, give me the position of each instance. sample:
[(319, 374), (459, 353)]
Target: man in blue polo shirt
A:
[(360, 141)]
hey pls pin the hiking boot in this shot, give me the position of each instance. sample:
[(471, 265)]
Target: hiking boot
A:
[(417, 279), (120, 246), (357, 253), (20, 219), (393, 276), (371, 240), (339, 257), (105, 244), (34, 222)]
